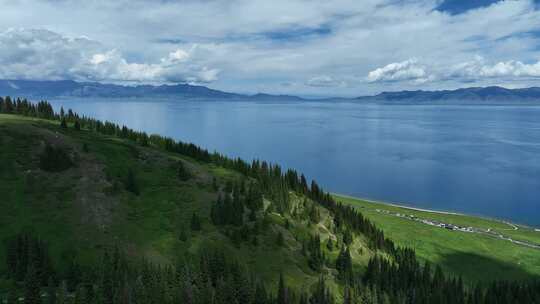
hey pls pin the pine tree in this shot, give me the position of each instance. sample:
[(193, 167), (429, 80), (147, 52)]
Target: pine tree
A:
[(182, 235), (330, 244), (321, 295), (107, 283), (280, 240), (54, 159), (63, 123), (51, 292), (73, 276), (195, 222), (131, 183), (183, 172), (81, 296), (215, 185), (347, 237), (77, 125), (315, 254), (12, 297), (13, 257), (283, 293), (252, 216), (344, 265), (261, 296), (347, 297), (62, 293), (32, 294)]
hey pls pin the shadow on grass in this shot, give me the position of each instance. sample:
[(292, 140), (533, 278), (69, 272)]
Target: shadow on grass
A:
[(485, 269)]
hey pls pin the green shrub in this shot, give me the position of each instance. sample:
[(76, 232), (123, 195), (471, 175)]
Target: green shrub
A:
[(54, 159)]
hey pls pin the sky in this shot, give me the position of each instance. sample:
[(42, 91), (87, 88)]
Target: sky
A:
[(299, 47)]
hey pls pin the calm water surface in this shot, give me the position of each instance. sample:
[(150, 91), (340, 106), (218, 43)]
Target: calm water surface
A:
[(482, 160)]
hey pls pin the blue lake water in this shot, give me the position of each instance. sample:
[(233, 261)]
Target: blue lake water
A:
[(481, 160)]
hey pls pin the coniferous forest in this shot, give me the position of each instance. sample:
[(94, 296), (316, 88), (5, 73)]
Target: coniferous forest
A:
[(393, 275)]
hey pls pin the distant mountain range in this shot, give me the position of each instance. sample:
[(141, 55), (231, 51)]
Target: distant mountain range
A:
[(492, 94), (67, 88)]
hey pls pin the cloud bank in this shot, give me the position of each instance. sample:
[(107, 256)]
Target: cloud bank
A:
[(42, 54), (316, 47), (414, 72)]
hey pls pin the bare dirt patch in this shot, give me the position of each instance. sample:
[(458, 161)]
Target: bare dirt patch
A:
[(88, 177)]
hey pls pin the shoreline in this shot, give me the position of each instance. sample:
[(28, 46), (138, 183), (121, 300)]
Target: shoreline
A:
[(402, 205)]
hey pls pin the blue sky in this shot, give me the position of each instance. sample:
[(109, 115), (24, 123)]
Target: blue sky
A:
[(301, 47), (462, 6)]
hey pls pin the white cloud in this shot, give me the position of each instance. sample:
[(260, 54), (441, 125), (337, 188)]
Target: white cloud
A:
[(98, 58), (479, 68), (467, 71), (505, 69), (173, 68), (398, 71), (178, 56), (324, 81), (42, 54)]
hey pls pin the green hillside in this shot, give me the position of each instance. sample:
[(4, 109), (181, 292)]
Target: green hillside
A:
[(75, 192), (87, 208)]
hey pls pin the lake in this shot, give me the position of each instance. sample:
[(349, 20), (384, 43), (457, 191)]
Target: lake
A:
[(477, 159)]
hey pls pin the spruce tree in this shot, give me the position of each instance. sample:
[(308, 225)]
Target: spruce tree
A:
[(280, 240), (32, 293), (62, 293), (51, 291), (195, 222), (330, 244), (81, 296), (63, 123), (182, 235), (107, 282), (215, 185), (73, 275), (183, 172), (261, 296), (344, 265), (283, 294), (54, 159), (347, 297), (12, 297), (347, 237), (252, 216), (131, 183)]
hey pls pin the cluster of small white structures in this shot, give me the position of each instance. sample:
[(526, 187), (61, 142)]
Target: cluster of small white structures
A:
[(453, 227), (429, 222)]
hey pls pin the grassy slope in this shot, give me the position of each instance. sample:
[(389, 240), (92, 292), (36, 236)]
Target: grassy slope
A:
[(472, 255), (86, 207)]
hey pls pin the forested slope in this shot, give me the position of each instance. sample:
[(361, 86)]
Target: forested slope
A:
[(93, 212)]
